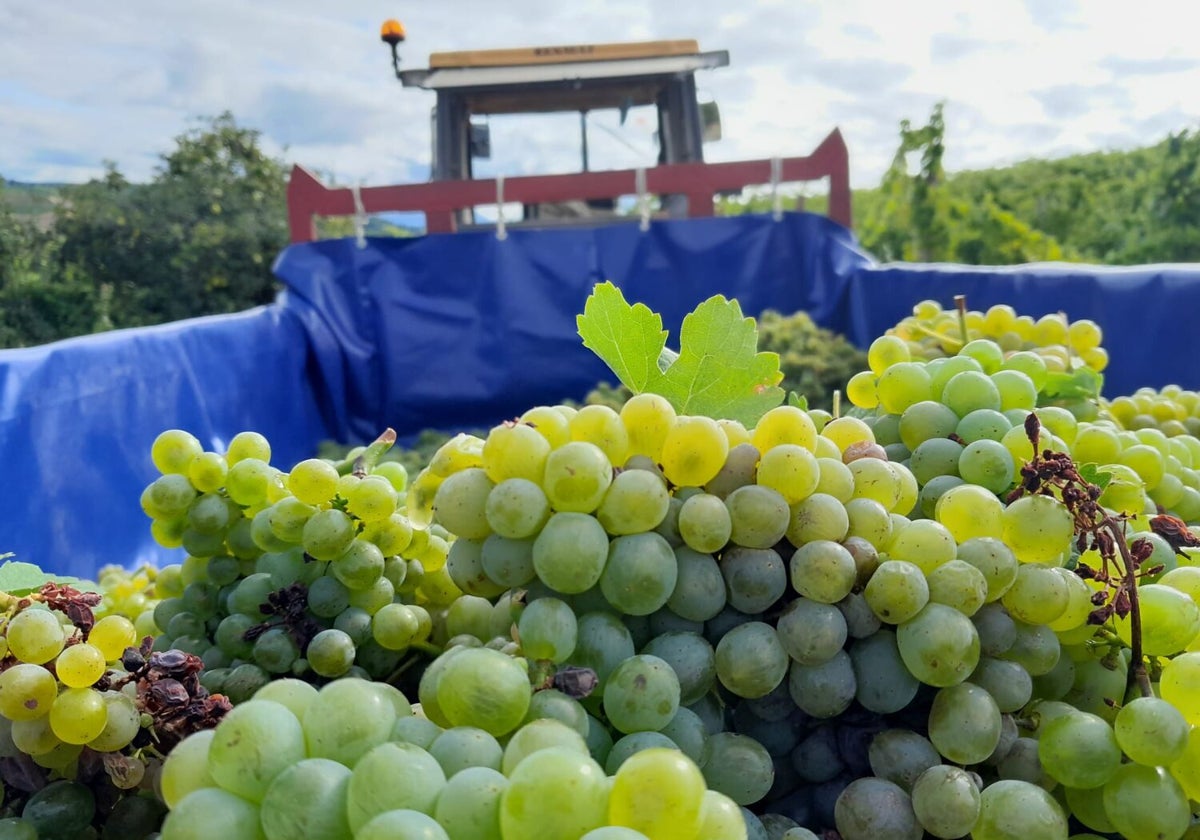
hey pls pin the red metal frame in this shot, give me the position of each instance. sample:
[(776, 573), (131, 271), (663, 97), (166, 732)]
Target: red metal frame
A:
[(308, 197)]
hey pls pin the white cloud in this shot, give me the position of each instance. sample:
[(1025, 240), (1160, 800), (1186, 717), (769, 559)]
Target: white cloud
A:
[(1021, 78)]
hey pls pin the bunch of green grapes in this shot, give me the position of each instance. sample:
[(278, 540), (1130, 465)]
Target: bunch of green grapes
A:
[(129, 593), (315, 572), (53, 699), (1172, 410), (932, 332), (356, 760)]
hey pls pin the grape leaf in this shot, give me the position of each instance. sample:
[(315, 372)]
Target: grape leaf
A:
[(718, 371), (17, 578), (797, 401), (1094, 474), (1080, 384), (630, 339)]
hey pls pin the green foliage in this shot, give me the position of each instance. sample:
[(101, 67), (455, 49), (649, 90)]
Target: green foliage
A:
[(718, 371), (814, 361)]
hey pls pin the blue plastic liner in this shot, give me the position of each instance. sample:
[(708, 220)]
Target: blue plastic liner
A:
[(465, 330)]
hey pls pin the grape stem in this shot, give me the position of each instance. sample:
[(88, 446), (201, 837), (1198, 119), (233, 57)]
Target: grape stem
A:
[(960, 301)]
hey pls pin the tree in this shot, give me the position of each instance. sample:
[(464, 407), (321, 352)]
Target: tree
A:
[(198, 239)]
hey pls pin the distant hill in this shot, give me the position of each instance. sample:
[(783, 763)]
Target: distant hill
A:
[(25, 199)]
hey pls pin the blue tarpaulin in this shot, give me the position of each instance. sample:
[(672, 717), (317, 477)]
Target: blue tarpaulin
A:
[(465, 330)]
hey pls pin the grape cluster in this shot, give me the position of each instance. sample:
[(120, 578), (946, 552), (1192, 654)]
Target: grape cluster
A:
[(352, 761), (933, 332), (1171, 409), (303, 573)]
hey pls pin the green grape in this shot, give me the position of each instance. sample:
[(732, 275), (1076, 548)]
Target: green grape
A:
[(394, 472), (468, 806), (1151, 731), (463, 747), (603, 642), (642, 693), (901, 756), (688, 731), (548, 630), (1146, 461), (359, 566), (823, 570), (647, 419), (570, 553), (939, 645), (720, 818), (882, 683), (933, 490), (818, 517), (1180, 685), (1016, 390), (738, 767), (869, 520), (247, 480), (576, 477), (555, 774), (825, 690), (207, 472), (694, 451), (174, 450), (790, 470), (885, 351), (926, 420), (461, 501), (122, 724), (484, 689), (1031, 364), (1039, 595), (401, 824), (783, 425), (537, 735), (811, 632), (1079, 750), (835, 480), (1079, 604), (704, 523), (755, 578), (964, 723), (517, 508), (209, 514), (35, 636), (897, 591), (970, 391), (935, 457), (960, 585), (602, 426), (845, 431), (982, 424), (659, 792), (875, 479), (186, 768), (634, 743), (295, 694), (988, 464), (78, 715), (347, 718), (1146, 802), (995, 560), (1037, 528), (636, 501), (871, 808), (230, 635), (640, 574), (252, 744), (947, 370), (392, 776), (330, 653), (308, 800), (750, 660), (80, 665), (26, 692), (328, 534), (924, 543), (1170, 620), (515, 450), (247, 445), (901, 385), (211, 812)]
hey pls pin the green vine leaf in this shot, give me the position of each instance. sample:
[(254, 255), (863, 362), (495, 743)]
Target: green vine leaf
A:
[(18, 578), (718, 371)]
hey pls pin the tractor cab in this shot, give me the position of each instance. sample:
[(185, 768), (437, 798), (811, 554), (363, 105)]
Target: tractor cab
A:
[(474, 86)]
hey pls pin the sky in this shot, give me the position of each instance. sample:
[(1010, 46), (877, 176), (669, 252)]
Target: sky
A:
[(82, 83)]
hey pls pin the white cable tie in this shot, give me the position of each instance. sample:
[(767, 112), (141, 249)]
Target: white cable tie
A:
[(643, 198), (776, 196), (360, 217), (501, 230)]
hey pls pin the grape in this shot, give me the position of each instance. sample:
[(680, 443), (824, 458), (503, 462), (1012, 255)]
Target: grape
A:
[(641, 693), (811, 632), (870, 808), (960, 585), (1146, 802), (26, 692), (755, 578), (699, 592), (790, 470), (640, 574), (1151, 731), (825, 690), (328, 534), (818, 517), (122, 723), (401, 824), (35, 636), (823, 570), (307, 800), (939, 645), (692, 659), (964, 723), (704, 523), (897, 591), (926, 543), (924, 421), (515, 450), (392, 776), (469, 803), (1170, 619), (516, 508), (995, 560), (346, 719), (636, 501), (738, 767), (784, 424), (1079, 750), (969, 511), (78, 715), (750, 660), (1037, 528), (1008, 682), (720, 818), (901, 756), (970, 391), (330, 653), (484, 689), (252, 745), (576, 477), (1039, 595), (555, 774), (207, 472), (536, 735), (548, 630), (174, 450)]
